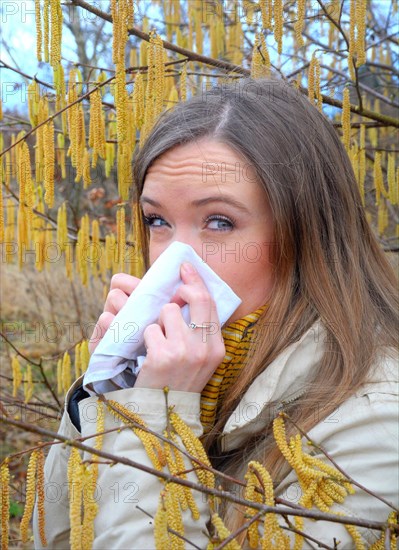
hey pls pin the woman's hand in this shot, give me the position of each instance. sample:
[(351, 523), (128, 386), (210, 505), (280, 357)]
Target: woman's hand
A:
[(122, 285), (177, 356)]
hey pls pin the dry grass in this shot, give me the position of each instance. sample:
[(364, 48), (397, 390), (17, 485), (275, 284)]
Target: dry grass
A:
[(42, 315)]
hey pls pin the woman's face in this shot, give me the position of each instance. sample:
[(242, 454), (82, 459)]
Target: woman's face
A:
[(204, 194)]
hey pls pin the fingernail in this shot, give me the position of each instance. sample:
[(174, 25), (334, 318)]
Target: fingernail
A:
[(188, 268)]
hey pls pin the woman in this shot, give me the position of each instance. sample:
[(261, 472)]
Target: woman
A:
[(256, 180)]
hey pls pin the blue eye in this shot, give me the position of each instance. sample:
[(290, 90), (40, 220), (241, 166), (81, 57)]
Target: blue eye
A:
[(152, 220), (223, 223)]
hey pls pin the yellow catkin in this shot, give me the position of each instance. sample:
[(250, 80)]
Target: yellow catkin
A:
[(175, 463), (80, 143), (75, 484), (7, 168), (150, 442), (5, 504), (133, 59), (38, 226), (33, 92), (61, 154), (78, 362), (66, 371), (86, 169), (84, 355), (137, 265), (252, 495), (256, 63), (393, 188), (159, 75), (321, 483), (46, 29), (121, 238), (69, 262), (97, 127), (223, 533), (30, 495), (161, 535), (39, 36), (90, 480), (149, 91), (352, 42), (41, 497), (265, 55), (195, 448), (28, 384), (198, 28), (298, 27), (22, 241), (119, 15), (138, 100), (266, 14), (72, 116), (361, 12), (82, 248), (311, 79), (61, 227), (356, 537), (213, 40), (278, 24), (16, 375), (109, 158), (346, 120), (183, 83), (49, 161), (25, 164), (56, 32), (60, 98), (317, 91), (174, 516)]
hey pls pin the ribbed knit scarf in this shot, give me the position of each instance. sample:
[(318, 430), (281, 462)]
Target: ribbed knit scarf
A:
[(237, 338)]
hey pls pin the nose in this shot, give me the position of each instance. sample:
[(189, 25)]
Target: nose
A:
[(192, 240)]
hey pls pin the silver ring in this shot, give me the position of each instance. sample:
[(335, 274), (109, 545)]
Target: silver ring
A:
[(193, 326)]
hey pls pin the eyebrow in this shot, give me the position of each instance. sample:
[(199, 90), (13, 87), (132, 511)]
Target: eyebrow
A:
[(201, 202)]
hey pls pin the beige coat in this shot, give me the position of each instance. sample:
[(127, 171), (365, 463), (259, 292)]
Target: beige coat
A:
[(361, 435)]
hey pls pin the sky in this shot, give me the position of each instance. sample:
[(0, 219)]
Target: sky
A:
[(18, 44)]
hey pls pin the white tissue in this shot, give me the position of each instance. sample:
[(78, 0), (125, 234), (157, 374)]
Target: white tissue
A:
[(118, 357)]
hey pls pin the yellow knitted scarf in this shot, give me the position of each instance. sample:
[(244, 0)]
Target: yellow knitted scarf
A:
[(237, 338)]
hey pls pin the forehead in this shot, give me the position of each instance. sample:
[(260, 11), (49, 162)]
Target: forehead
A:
[(211, 162)]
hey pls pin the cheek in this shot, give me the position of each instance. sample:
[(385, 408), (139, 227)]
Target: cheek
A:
[(155, 250)]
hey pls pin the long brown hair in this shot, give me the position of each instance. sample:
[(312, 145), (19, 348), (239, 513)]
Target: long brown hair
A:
[(328, 262)]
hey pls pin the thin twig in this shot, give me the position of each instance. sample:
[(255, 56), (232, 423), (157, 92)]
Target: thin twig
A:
[(304, 512), (327, 455)]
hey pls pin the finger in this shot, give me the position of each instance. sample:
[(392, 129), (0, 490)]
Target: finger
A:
[(115, 301), (154, 338), (194, 291), (171, 322), (176, 299), (102, 325), (124, 282)]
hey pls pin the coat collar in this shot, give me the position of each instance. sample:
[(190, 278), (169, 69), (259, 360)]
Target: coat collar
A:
[(282, 381)]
